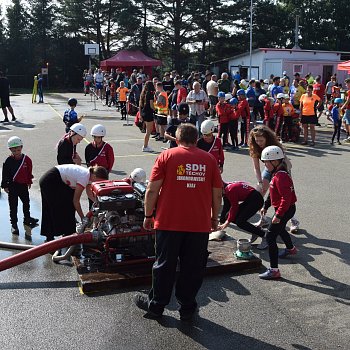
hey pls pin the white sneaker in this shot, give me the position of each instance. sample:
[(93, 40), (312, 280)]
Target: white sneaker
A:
[(294, 227), (262, 222), (346, 140), (263, 245), (147, 149)]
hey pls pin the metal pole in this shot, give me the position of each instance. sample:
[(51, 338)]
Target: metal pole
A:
[(250, 40)]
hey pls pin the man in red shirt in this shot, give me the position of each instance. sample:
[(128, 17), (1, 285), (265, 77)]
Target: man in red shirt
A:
[(185, 186), (319, 90)]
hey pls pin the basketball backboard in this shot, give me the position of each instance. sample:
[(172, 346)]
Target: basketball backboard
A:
[(91, 49)]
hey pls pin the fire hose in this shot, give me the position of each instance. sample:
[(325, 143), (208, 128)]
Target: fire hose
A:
[(46, 248)]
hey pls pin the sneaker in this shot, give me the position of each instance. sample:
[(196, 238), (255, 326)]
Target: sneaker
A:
[(154, 136), (253, 238), (262, 222), (14, 119), (5, 121), (14, 229), (187, 315), (142, 302), (160, 138), (294, 227), (263, 245), (346, 140), (31, 222), (339, 143), (286, 252), (147, 149), (270, 274), (245, 145)]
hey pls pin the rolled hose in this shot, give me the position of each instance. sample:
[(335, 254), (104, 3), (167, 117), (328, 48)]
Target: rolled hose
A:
[(46, 248)]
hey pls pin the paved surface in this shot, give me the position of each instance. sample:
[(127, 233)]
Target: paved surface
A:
[(308, 309)]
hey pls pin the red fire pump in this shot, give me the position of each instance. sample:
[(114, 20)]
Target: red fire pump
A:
[(117, 218)]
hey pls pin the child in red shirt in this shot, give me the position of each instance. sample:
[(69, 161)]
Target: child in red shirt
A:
[(282, 197), (224, 113), (268, 111), (288, 112), (16, 180), (244, 115), (211, 144), (233, 124)]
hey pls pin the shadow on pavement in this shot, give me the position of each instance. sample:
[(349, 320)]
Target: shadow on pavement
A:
[(213, 336), (326, 285), (23, 125)]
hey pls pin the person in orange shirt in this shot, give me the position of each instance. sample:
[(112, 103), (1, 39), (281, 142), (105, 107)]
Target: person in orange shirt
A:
[(288, 112), (122, 91), (309, 103)]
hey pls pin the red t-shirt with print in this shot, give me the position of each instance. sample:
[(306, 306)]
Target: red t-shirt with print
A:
[(184, 204)]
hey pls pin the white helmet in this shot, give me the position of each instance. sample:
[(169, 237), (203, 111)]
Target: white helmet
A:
[(280, 95), (98, 130), (244, 83), (261, 97), (272, 153), (228, 97), (79, 129), (207, 127), (14, 141), (266, 81), (138, 175)]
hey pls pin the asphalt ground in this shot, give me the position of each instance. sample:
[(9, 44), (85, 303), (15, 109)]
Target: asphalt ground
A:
[(308, 308)]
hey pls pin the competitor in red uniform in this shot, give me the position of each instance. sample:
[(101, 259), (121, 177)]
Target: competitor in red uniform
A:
[(16, 180), (282, 197), (66, 147), (268, 111), (211, 144), (233, 124), (244, 114), (99, 152), (224, 112), (185, 186), (241, 202)]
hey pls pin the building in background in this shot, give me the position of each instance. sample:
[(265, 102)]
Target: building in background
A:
[(267, 61)]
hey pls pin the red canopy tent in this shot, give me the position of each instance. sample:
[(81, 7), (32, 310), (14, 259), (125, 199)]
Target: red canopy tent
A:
[(344, 66), (129, 59)]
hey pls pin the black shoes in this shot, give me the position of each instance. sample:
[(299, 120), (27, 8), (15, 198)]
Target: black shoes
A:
[(14, 118), (31, 222), (14, 229), (5, 120), (142, 302)]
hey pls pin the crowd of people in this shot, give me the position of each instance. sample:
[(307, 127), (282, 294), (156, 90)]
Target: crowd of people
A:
[(290, 107)]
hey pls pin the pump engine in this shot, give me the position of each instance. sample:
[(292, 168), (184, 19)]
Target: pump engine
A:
[(117, 217)]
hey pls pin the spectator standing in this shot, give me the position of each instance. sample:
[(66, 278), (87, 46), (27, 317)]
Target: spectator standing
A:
[(319, 90), (5, 98), (224, 83), (197, 99), (309, 103), (212, 91), (40, 88), (185, 240)]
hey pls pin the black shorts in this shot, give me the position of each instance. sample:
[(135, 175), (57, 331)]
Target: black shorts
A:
[(309, 119), (213, 100), (162, 120), (148, 117), (5, 101)]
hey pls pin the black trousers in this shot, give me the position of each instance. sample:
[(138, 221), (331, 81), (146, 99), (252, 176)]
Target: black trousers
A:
[(337, 127), (20, 191), (233, 129), (287, 128), (190, 250), (123, 108), (279, 229), (246, 210), (224, 128), (58, 211)]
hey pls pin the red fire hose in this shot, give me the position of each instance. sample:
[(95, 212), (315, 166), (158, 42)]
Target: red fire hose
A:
[(45, 248)]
